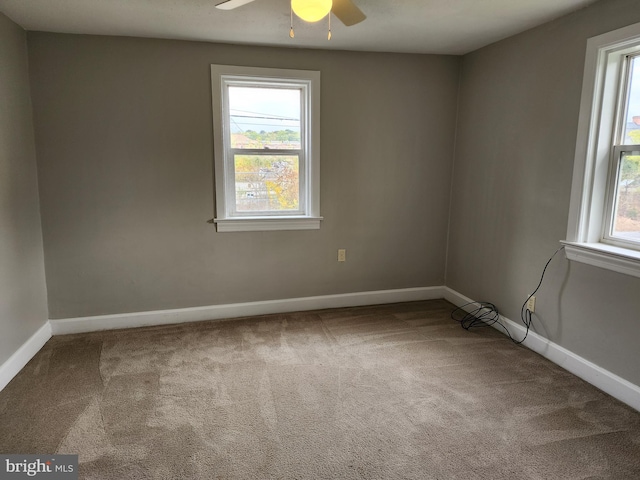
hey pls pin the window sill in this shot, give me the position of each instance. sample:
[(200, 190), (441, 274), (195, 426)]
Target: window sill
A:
[(258, 224), (617, 259)]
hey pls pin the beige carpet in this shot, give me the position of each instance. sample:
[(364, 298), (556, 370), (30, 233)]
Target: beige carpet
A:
[(387, 392)]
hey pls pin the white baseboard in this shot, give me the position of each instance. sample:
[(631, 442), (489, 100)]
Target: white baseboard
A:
[(606, 381), (26, 352), (234, 310)]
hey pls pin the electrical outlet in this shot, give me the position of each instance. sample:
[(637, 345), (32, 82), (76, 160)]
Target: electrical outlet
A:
[(342, 255), (531, 304)]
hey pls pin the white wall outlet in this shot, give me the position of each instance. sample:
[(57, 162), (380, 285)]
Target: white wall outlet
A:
[(531, 304), (342, 254)]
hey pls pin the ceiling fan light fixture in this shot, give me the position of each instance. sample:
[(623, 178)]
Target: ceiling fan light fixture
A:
[(311, 10)]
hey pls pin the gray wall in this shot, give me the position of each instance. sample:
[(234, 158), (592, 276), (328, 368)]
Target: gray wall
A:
[(23, 298), (519, 104), (123, 134), (124, 142)]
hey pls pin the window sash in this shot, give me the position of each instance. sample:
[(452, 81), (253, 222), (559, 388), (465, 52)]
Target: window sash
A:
[(232, 210), (613, 198), (618, 150), (230, 189)]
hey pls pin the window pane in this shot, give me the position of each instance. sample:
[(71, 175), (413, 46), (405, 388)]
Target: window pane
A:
[(626, 223), (632, 108), (262, 117), (267, 183)]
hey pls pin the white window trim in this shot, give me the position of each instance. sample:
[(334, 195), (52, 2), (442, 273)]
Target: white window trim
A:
[(592, 158), (310, 219)]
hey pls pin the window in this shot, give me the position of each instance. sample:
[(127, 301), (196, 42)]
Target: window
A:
[(266, 125), (604, 216), (623, 209)]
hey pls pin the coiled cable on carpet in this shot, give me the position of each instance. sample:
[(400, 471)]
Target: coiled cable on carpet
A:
[(485, 314), (476, 314)]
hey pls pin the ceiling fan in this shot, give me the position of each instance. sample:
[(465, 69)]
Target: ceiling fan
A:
[(345, 10)]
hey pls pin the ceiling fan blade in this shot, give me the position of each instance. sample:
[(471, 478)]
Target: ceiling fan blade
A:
[(231, 4), (347, 12)]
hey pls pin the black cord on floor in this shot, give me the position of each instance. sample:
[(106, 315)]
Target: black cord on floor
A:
[(485, 314), (482, 314)]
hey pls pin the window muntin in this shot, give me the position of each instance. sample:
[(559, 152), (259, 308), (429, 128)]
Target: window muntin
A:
[(266, 147)]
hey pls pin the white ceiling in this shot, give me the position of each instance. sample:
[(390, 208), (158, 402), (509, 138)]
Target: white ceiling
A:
[(413, 26)]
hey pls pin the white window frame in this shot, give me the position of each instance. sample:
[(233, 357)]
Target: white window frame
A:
[(595, 163), (308, 216)]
